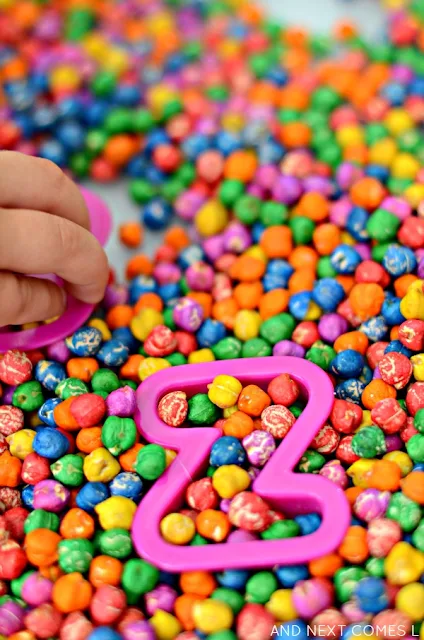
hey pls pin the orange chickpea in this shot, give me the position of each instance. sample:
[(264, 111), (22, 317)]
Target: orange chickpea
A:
[(129, 370), (10, 470), (413, 486), (199, 583), (304, 258), (355, 340), (277, 241), (41, 547), (253, 400), (127, 459), (89, 439), (354, 547), (213, 525), (150, 301), (248, 294), (82, 368), (177, 238), (77, 523), (302, 280), (367, 192), (273, 302), (241, 165), (183, 608), (403, 283), (385, 475), (105, 570), (131, 234), (71, 592), (225, 311), (247, 269), (238, 425), (375, 391), (139, 265), (326, 566), (326, 238), (366, 299), (119, 316), (63, 416), (314, 205)]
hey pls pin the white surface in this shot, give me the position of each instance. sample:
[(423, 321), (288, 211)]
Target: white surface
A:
[(315, 15)]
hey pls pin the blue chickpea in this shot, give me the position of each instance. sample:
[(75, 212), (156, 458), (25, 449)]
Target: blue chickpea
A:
[(45, 412), (124, 335), (356, 224), (288, 576), (277, 275), (299, 304), (390, 311), (126, 95), (399, 260), (308, 523), (227, 450), (293, 629), (396, 345), (49, 373), (71, 108), (366, 374), (156, 177), (190, 255), (170, 292), (345, 259), (85, 341), (350, 390), (348, 364), (154, 139), (375, 328), (113, 353), (371, 595), (139, 285), (270, 151), (377, 171), (194, 145), (50, 443), (54, 151), (128, 485), (226, 142), (136, 167), (328, 293), (395, 93), (211, 332), (95, 113), (104, 633), (233, 578), (27, 496), (91, 494), (71, 134), (157, 214), (45, 117), (257, 230)]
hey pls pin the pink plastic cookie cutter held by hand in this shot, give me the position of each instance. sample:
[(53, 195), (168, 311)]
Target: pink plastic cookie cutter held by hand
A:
[(76, 312), (292, 493)]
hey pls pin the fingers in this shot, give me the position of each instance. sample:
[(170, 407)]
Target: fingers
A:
[(36, 243), (35, 183), (24, 299)]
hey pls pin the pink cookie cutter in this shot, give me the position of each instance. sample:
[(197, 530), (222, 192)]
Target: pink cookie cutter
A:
[(76, 312), (293, 493)]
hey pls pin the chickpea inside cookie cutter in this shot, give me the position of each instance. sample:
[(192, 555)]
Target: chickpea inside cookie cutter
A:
[(77, 312), (292, 493)]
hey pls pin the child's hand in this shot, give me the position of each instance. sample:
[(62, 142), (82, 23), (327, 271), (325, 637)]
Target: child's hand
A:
[(44, 229)]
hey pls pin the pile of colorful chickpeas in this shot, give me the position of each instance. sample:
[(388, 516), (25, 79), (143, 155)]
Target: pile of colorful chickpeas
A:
[(295, 165)]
